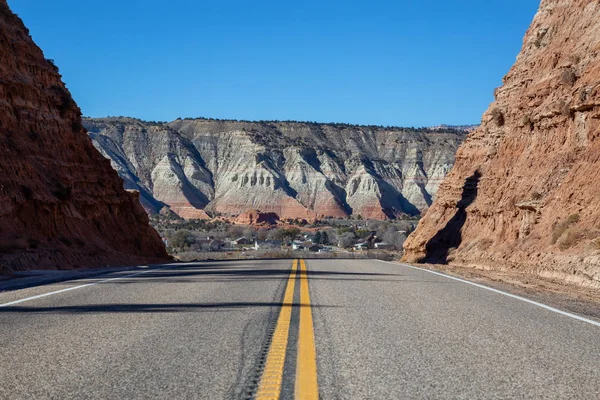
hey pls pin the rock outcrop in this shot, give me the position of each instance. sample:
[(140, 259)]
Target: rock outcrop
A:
[(61, 203), (291, 169), (158, 162), (254, 217), (524, 190)]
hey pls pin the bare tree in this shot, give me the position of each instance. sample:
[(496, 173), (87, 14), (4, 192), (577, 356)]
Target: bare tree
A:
[(346, 239), (393, 237), (262, 234), (236, 231), (248, 233)]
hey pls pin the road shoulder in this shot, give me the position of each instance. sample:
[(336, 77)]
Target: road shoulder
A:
[(574, 299)]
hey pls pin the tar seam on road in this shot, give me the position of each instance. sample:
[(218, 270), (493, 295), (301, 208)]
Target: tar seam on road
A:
[(306, 368), (272, 376), (39, 296), (535, 303)]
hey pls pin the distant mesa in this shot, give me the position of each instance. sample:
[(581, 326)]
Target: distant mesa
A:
[(296, 170)]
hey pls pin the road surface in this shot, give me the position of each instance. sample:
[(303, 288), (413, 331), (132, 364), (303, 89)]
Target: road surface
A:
[(329, 329)]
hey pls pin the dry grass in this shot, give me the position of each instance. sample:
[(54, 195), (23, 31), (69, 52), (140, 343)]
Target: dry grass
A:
[(561, 227), (568, 77), (564, 108), (567, 235), (485, 244), (575, 236), (498, 116), (595, 244), (571, 238), (527, 122)]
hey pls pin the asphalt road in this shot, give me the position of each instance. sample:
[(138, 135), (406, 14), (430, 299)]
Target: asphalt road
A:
[(345, 329)]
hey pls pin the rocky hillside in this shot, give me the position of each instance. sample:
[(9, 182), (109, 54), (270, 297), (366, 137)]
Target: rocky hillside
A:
[(292, 169), (466, 128), (61, 203), (524, 191)]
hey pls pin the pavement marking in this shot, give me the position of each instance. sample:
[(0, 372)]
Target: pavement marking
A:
[(39, 296), (307, 387), (272, 376), (535, 303)]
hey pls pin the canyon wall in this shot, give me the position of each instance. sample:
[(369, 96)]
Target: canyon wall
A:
[(525, 187), (292, 169), (61, 203)]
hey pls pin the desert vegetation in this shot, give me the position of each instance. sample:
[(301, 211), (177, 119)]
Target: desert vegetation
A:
[(498, 116), (219, 238), (568, 77)]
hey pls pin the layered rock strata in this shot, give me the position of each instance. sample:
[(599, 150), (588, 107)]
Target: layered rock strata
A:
[(292, 169), (525, 187), (61, 203)]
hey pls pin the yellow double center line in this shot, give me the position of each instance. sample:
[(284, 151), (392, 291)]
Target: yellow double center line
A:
[(306, 386)]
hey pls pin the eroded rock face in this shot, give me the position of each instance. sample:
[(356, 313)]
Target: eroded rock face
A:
[(158, 162), (254, 217), (295, 170), (61, 203), (525, 187)]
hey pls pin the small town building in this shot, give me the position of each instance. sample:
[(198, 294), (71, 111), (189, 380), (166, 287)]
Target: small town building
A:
[(242, 241), (361, 246), (216, 245), (268, 244), (315, 248)]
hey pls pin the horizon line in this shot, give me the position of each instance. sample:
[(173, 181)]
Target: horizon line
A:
[(440, 127)]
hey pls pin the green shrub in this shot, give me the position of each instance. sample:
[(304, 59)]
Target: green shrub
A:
[(181, 239)]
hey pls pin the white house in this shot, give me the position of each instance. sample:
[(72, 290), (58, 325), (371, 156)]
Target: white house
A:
[(241, 241), (361, 246)]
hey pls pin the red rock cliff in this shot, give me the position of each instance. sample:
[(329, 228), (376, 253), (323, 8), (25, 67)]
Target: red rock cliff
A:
[(61, 203), (525, 189)]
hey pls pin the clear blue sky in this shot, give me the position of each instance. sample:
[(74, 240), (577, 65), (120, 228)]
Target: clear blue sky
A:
[(393, 62)]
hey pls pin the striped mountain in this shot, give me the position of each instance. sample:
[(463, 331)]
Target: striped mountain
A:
[(293, 169)]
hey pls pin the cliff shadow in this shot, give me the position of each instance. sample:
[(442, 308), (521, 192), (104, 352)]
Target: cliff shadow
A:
[(450, 236)]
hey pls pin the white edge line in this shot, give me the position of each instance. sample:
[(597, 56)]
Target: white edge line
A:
[(535, 303), (39, 296)]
